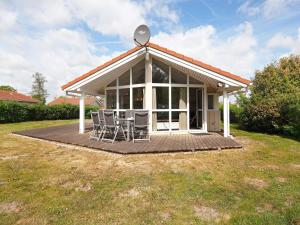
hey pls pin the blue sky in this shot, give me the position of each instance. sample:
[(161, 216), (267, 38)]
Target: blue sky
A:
[(65, 38)]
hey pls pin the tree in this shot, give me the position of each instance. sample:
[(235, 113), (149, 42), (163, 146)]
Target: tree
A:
[(274, 102), (7, 88), (38, 87)]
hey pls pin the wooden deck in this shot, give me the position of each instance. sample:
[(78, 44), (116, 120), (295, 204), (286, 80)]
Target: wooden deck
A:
[(68, 134)]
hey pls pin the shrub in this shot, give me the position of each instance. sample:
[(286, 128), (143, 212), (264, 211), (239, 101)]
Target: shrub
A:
[(11, 112), (273, 106), (235, 112)]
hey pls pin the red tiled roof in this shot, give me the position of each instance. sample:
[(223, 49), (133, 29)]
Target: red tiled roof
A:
[(165, 50), (16, 96), (72, 101)]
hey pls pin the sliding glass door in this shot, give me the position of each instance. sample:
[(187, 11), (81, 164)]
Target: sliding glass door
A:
[(196, 108)]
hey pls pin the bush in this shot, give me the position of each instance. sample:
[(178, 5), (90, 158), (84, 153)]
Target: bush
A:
[(11, 112), (235, 112), (273, 106)]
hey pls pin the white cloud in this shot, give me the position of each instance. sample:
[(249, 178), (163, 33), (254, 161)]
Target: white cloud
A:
[(270, 9), (235, 53), (279, 40), (7, 18), (248, 9)]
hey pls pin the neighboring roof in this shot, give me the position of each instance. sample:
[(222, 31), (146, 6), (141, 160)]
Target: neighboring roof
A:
[(72, 101), (167, 51), (16, 96)]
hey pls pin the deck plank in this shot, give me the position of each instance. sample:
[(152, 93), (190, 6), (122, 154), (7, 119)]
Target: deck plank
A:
[(159, 143)]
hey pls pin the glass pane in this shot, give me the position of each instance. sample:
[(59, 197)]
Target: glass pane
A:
[(122, 114), (199, 120), (138, 98), (179, 97), (160, 98), (111, 99), (160, 121), (179, 121), (124, 100), (178, 77), (199, 98), (194, 81), (138, 73), (124, 79), (210, 102), (112, 84), (160, 72)]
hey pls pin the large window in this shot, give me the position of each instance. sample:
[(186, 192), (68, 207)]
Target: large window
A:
[(178, 77), (138, 98), (160, 98), (138, 73), (111, 99), (124, 79), (124, 98), (160, 72), (131, 88)]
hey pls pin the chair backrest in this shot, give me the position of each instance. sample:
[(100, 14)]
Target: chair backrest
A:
[(101, 117), (95, 118), (109, 119), (129, 114), (141, 118)]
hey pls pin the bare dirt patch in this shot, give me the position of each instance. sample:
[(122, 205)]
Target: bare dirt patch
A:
[(256, 183), (165, 216), (210, 214), (11, 157), (281, 179), (131, 193), (264, 208), (83, 187), (296, 166), (10, 207)]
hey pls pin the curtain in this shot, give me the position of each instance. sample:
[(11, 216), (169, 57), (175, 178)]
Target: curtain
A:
[(182, 105), (154, 106)]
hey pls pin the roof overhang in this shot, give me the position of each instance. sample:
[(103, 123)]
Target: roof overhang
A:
[(94, 81)]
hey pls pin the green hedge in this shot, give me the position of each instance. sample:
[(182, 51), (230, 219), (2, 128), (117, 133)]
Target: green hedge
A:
[(11, 112)]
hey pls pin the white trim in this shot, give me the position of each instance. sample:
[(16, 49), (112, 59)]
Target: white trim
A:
[(196, 68), (130, 91), (205, 107), (106, 69), (188, 103), (170, 100), (81, 114), (225, 113)]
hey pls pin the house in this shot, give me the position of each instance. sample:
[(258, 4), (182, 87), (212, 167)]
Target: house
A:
[(17, 97), (180, 92), (73, 100)]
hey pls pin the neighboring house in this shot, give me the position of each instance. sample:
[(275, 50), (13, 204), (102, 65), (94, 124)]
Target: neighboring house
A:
[(89, 101), (17, 97), (181, 93)]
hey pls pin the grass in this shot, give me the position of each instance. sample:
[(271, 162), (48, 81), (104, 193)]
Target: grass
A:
[(44, 183)]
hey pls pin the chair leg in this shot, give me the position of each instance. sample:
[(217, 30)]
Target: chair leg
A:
[(125, 138), (115, 134), (104, 132)]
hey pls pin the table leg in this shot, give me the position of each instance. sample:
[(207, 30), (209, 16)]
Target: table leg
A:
[(128, 130)]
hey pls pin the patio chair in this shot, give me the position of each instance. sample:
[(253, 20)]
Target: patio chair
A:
[(141, 126), (111, 126), (97, 126)]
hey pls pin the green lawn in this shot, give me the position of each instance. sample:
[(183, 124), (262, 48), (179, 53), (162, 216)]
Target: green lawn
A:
[(44, 183)]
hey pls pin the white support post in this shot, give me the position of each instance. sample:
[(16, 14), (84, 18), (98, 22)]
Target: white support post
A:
[(225, 113), (81, 114), (130, 90), (148, 88), (205, 109)]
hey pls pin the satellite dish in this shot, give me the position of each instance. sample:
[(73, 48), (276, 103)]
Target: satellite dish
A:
[(141, 35)]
